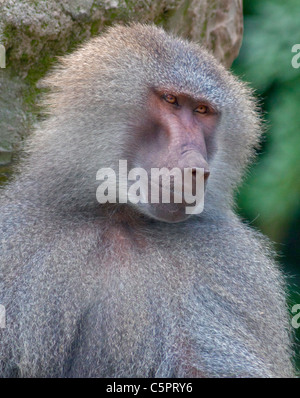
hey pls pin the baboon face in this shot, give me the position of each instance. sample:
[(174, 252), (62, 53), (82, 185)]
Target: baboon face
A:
[(159, 107), (174, 141)]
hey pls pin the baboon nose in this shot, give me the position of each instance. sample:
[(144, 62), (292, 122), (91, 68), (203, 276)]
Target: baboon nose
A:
[(206, 173)]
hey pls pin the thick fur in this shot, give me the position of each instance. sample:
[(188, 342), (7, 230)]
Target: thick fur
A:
[(88, 294)]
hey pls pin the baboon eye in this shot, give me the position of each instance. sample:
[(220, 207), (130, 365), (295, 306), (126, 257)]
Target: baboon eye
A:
[(170, 98), (201, 109)]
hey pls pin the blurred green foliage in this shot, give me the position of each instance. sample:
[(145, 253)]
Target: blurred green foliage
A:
[(270, 195)]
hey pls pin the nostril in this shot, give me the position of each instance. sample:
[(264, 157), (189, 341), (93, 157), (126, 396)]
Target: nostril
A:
[(206, 173)]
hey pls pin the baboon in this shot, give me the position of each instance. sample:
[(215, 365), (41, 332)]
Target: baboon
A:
[(138, 289)]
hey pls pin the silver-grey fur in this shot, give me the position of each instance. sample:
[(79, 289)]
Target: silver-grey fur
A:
[(88, 296)]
